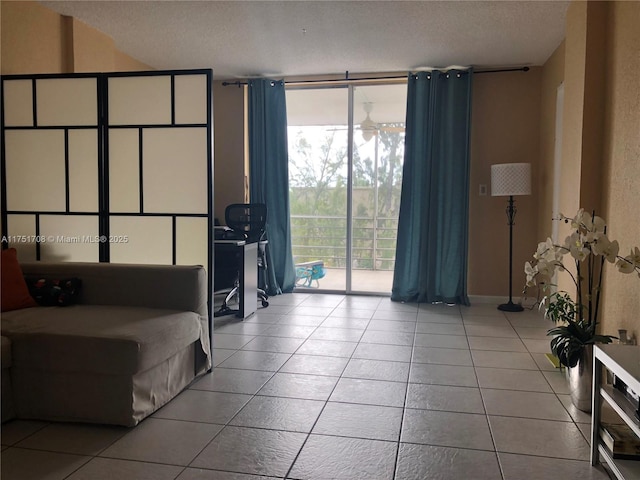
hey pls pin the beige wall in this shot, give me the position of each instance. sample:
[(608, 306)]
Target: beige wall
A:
[(552, 78), (92, 51), (125, 63), (32, 39), (505, 128), (621, 179), (581, 167), (35, 39), (229, 146), (574, 74), (601, 138), (584, 76), (594, 106)]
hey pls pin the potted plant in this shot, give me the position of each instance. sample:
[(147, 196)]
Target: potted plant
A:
[(576, 316)]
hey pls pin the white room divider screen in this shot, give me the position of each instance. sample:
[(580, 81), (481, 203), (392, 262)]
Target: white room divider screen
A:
[(114, 167)]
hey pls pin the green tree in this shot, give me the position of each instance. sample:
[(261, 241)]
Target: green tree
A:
[(390, 168), (318, 188), (318, 181)]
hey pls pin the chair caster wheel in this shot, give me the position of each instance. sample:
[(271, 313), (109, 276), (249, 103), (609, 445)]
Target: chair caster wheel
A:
[(265, 303)]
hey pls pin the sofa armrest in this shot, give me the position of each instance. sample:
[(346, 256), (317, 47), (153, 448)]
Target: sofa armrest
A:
[(175, 287)]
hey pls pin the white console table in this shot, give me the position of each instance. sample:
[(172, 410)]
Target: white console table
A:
[(624, 362)]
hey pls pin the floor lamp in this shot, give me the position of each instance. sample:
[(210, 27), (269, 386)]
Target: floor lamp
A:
[(510, 179)]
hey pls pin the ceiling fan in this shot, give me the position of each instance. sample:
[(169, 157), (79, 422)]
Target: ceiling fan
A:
[(369, 128)]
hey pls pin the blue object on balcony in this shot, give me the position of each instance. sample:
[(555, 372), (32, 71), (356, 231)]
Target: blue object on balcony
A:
[(307, 272)]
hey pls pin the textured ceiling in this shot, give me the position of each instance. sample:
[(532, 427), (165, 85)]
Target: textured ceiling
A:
[(287, 38)]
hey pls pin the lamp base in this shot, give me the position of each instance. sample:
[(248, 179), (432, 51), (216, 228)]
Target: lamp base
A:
[(510, 307)]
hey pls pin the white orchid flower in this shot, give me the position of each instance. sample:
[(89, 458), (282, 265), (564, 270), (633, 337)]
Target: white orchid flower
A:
[(531, 273), (590, 222), (579, 252), (559, 252), (540, 251), (629, 263), (599, 224), (590, 237), (576, 222), (586, 221), (543, 247), (547, 251), (600, 244), (555, 256), (575, 244), (626, 265), (572, 240), (611, 251), (545, 271)]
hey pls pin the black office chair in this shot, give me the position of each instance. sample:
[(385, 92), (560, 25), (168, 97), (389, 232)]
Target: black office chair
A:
[(248, 221)]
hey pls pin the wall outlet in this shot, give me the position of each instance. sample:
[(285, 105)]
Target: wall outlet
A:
[(483, 190)]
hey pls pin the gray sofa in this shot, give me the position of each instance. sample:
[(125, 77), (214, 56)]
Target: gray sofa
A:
[(136, 337)]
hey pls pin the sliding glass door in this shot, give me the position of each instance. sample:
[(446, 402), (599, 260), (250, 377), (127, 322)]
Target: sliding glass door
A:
[(345, 165)]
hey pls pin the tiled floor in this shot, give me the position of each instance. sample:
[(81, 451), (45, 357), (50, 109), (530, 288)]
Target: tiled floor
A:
[(333, 387)]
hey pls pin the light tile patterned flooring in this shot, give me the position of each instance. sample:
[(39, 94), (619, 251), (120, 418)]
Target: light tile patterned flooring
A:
[(321, 386)]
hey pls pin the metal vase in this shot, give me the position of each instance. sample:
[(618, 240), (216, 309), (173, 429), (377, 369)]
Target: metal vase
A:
[(580, 380)]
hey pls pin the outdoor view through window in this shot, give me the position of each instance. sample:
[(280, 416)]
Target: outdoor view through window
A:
[(354, 248)]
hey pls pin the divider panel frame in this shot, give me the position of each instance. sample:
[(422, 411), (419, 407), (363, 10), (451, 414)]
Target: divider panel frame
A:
[(24, 117)]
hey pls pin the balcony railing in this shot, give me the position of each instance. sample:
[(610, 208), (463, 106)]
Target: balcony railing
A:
[(324, 238)]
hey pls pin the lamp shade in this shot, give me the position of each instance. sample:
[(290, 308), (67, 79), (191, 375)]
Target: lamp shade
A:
[(510, 179)]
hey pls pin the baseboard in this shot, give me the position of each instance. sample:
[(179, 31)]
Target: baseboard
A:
[(487, 300), (498, 300)]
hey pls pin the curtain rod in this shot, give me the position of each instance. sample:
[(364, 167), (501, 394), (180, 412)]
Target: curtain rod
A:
[(365, 79)]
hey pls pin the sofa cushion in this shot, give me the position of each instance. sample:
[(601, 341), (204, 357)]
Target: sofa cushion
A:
[(5, 348), (98, 338), (15, 294)]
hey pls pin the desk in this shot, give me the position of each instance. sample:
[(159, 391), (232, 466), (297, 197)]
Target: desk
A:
[(248, 267)]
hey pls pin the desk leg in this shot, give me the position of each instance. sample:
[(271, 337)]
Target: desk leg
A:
[(248, 299), (596, 403)]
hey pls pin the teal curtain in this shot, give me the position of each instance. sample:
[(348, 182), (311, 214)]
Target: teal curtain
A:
[(431, 251), (269, 177)]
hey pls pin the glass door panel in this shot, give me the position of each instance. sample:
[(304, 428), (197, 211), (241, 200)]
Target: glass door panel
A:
[(318, 178), (378, 152)]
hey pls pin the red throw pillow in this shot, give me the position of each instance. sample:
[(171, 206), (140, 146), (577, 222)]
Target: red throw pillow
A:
[(15, 293)]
